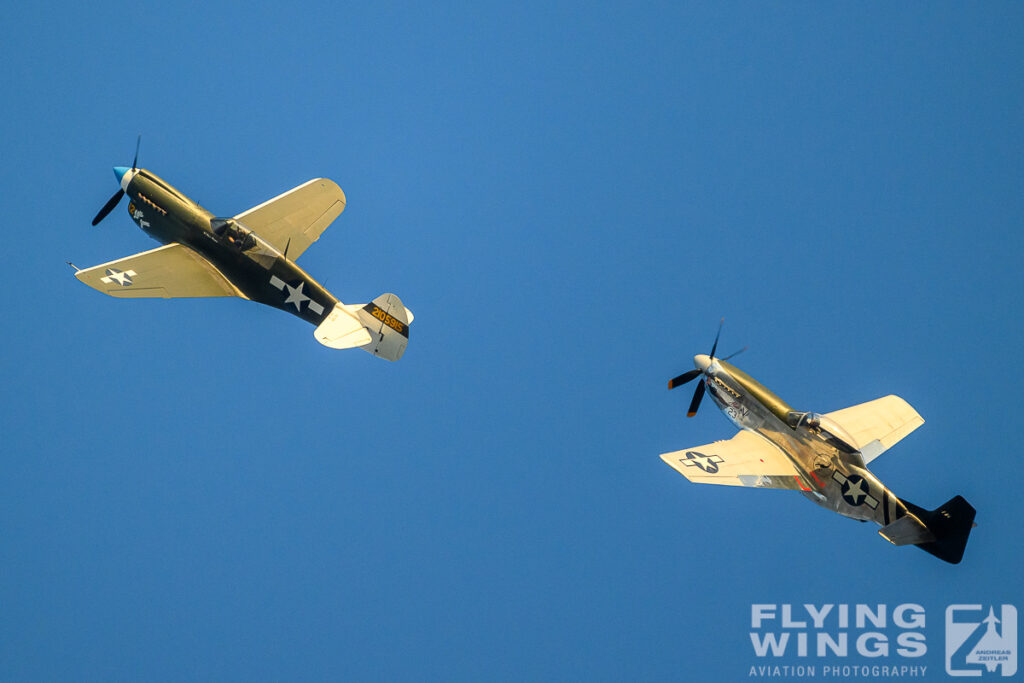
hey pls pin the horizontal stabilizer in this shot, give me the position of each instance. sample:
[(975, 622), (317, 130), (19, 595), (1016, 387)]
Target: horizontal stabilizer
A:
[(907, 530), (341, 330), (380, 327)]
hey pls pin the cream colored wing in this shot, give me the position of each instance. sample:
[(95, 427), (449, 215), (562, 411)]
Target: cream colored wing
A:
[(295, 219), (744, 460), (877, 425), (168, 272)]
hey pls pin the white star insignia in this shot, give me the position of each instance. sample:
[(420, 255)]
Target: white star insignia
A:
[(857, 491), (121, 277), (295, 296)]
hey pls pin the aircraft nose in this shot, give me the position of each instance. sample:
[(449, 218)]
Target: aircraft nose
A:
[(702, 362), (119, 172)]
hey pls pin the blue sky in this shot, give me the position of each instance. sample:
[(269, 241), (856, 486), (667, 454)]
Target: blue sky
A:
[(569, 197)]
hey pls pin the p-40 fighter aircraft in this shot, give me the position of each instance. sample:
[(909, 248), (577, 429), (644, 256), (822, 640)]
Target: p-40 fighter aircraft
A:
[(251, 255), (824, 457)]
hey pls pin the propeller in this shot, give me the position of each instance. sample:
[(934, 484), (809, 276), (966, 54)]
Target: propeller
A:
[(683, 378), (691, 375), (113, 201), (108, 207), (698, 396), (735, 353)]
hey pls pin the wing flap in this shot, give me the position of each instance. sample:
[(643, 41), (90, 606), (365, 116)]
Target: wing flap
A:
[(878, 425), (168, 272), (297, 218), (744, 460)]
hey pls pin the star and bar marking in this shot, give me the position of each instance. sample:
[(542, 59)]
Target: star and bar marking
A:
[(854, 490), (296, 295), (709, 464), (121, 277)]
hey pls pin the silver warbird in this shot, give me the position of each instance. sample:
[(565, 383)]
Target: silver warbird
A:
[(825, 457)]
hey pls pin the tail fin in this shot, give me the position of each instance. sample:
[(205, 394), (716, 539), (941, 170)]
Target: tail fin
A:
[(387, 320), (950, 523)]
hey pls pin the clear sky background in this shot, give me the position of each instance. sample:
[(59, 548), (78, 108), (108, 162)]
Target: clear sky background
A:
[(569, 197)]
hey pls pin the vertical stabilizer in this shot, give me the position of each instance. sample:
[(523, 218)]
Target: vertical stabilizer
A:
[(950, 524), (387, 320)]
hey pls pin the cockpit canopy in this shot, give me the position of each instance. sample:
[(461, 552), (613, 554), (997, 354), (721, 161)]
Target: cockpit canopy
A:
[(233, 233), (824, 427)]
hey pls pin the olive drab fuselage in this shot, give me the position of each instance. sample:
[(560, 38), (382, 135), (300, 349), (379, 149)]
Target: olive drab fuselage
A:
[(258, 270)]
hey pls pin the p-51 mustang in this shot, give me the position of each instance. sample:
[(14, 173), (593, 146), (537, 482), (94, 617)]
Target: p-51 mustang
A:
[(251, 255), (824, 457)]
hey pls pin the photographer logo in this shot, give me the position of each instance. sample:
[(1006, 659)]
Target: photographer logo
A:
[(981, 640)]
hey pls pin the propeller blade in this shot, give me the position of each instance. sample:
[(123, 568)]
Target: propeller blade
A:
[(108, 207), (735, 353), (683, 378), (719, 334), (135, 161), (695, 403)]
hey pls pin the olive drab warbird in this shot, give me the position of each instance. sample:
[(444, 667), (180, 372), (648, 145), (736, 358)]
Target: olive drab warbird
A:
[(825, 457), (251, 256)]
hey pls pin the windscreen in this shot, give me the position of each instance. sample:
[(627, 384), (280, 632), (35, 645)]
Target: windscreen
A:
[(825, 428), (236, 236)]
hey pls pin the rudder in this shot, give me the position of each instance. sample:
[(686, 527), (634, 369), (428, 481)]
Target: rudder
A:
[(387, 320)]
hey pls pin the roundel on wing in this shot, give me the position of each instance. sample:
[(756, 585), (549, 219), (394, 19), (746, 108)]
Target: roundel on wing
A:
[(708, 463)]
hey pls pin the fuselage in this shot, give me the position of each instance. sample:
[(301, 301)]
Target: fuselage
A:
[(257, 269), (831, 470)]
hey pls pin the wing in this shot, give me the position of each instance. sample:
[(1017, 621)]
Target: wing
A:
[(744, 460), (877, 425), (295, 219), (168, 272)]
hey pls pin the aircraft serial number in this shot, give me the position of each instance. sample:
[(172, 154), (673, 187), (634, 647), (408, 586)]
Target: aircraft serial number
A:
[(392, 322)]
